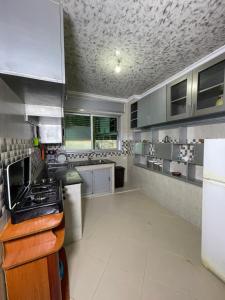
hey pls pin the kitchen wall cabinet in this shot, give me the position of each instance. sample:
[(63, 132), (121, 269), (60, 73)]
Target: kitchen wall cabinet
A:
[(32, 41), (152, 108), (208, 88), (179, 102)]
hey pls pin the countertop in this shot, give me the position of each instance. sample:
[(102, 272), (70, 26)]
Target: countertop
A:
[(68, 174)]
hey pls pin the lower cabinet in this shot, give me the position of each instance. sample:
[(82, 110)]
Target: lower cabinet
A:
[(73, 213), (102, 181), (97, 181), (87, 185)]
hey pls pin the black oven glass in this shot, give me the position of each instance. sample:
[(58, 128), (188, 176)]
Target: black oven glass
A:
[(18, 179)]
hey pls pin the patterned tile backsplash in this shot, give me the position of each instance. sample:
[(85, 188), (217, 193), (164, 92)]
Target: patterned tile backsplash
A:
[(126, 149)]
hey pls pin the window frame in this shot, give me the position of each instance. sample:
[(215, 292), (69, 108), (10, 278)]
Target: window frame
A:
[(117, 116)]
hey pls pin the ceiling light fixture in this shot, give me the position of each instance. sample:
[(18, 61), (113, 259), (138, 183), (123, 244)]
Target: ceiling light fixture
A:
[(81, 109), (117, 53), (118, 62), (118, 68)]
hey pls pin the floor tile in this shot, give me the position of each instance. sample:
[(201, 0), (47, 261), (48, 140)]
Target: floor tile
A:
[(156, 291), (132, 248), (128, 255), (84, 275), (170, 270), (119, 285)]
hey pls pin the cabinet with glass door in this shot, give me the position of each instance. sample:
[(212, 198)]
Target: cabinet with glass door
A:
[(208, 87), (179, 98)]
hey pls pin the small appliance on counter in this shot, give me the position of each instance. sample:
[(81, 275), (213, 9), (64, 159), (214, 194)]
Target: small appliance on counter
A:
[(25, 200)]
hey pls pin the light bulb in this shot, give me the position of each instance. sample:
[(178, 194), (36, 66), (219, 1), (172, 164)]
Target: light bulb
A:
[(117, 53), (118, 69)]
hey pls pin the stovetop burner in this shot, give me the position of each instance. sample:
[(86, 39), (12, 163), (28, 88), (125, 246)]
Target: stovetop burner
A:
[(41, 199)]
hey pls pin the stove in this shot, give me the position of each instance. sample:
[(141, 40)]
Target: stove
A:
[(26, 200), (42, 198)]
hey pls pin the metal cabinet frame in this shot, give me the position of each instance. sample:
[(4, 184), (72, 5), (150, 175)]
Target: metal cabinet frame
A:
[(189, 106), (209, 110)]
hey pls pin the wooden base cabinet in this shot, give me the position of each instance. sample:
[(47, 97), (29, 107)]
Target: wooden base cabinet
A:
[(34, 261)]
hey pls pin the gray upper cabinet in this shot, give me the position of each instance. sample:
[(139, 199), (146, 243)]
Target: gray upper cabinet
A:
[(152, 108), (179, 104), (32, 41), (208, 87)]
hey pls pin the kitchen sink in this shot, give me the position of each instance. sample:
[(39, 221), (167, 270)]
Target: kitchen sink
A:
[(89, 162)]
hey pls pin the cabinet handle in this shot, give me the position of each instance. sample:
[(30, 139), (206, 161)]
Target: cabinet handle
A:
[(189, 109), (193, 109)]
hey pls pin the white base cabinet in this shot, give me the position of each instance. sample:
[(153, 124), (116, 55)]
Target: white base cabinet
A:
[(97, 179), (73, 213)]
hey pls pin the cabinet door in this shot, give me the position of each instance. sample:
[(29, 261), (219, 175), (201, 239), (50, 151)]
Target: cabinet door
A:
[(144, 112), (102, 181), (133, 114), (87, 185), (152, 108), (179, 102), (208, 88), (32, 44)]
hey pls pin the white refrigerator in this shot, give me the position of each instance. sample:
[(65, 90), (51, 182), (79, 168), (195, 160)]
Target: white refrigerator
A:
[(213, 207)]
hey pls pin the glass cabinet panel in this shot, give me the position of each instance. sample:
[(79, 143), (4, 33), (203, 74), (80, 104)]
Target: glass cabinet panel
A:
[(211, 87), (133, 115), (179, 98)]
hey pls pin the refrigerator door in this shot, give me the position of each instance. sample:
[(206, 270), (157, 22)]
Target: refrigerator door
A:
[(214, 160), (213, 227)]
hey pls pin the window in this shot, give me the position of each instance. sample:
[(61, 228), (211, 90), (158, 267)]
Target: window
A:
[(77, 132), (84, 132)]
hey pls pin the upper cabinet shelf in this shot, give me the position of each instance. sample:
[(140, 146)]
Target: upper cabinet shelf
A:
[(179, 98), (198, 93), (208, 88), (32, 39)]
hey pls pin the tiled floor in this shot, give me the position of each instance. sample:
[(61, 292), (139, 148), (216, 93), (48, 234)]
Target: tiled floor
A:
[(133, 249)]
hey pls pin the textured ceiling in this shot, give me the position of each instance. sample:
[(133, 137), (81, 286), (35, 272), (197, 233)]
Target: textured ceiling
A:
[(156, 39)]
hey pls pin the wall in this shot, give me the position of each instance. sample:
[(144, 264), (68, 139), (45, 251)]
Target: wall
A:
[(182, 198), (15, 142), (120, 157)]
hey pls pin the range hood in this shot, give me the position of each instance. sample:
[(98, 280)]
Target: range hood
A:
[(43, 105), (41, 98)]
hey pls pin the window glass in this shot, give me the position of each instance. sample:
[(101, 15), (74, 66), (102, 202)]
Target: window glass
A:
[(77, 132), (105, 132)]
